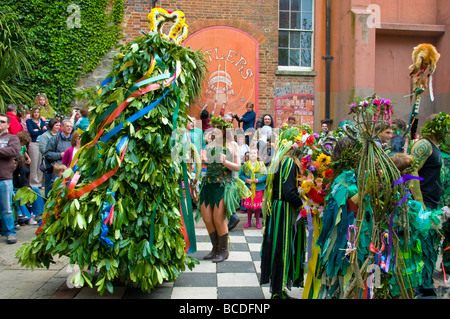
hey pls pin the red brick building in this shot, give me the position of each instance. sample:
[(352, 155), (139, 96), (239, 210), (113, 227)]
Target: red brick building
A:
[(274, 52)]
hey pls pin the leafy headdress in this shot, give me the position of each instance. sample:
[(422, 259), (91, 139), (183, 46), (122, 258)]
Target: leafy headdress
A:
[(439, 126)]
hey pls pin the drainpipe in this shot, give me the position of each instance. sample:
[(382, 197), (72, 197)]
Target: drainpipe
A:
[(154, 3), (328, 58)]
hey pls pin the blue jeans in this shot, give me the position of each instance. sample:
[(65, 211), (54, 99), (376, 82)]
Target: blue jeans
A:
[(6, 197)]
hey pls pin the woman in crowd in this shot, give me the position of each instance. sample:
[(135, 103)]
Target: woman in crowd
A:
[(41, 102), (36, 127), (53, 128)]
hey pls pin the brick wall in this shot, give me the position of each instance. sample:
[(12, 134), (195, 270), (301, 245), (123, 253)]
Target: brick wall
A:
[(258, 18)]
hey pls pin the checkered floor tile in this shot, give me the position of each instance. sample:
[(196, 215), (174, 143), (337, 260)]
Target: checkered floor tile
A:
[(236, 278)]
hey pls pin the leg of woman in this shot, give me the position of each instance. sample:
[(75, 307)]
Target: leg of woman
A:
[(207, 216), (220, 222), (219, 218), (36, 159)]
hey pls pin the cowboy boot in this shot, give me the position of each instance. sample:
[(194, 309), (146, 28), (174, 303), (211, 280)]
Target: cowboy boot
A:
[(222, 253), (214, 241)]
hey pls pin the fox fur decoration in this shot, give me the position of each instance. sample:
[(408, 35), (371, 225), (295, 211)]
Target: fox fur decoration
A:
[(425, 57)]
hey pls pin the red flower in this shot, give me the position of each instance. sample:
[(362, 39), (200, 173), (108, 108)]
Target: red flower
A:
[(304, 213), (310, 140), (328, 173), (315, 197)]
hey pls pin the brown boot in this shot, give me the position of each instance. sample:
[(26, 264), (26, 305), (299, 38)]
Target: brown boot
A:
[(214, 241), (222, 253)]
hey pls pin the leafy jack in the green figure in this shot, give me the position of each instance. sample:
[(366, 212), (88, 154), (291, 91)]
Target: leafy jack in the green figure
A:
[(106, 230)]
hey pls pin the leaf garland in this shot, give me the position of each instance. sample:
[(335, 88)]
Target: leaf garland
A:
[(146, 180)]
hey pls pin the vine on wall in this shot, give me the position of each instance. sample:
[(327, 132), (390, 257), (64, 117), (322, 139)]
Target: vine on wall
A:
[(71, 37)]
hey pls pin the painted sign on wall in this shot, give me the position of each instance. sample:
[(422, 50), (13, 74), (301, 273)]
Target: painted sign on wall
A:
[(233, 70), (295, 102)]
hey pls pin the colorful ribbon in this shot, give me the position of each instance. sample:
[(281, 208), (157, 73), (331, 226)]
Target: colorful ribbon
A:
[(380, 260), (107, 215)]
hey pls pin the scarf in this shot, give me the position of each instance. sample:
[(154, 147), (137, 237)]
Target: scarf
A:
[(253, 170)]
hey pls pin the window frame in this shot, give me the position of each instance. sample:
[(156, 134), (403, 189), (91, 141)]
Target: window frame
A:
[(312, 32)]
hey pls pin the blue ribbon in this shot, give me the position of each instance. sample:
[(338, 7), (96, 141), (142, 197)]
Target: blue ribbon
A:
[(132, 118), (404, 178), (104, 228)]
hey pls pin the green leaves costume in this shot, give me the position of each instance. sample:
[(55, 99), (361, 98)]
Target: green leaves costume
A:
[(129, 225)]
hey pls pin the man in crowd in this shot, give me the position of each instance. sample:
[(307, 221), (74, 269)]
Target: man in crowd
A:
[(14, 121), (57, 145), (9, 149), (385, 133)]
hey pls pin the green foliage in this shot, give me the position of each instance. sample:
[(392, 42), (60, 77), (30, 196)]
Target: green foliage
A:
[(71, 38), (146, 181), (15, 55)]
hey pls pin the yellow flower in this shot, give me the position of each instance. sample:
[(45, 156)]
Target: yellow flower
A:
[(323, 160), (307, 185)]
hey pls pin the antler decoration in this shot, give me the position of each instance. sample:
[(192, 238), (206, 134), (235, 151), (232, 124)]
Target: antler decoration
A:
[(158, 17)]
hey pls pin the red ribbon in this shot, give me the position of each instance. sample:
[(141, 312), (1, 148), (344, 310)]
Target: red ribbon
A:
[(80, 192)]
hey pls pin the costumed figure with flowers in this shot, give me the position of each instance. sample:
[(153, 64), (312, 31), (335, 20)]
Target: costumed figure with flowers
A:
[(337, 238), (285, 241), (391, 267), (220, 192)]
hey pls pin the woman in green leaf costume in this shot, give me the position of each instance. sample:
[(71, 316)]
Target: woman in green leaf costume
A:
[(116, 213), (219, 195)]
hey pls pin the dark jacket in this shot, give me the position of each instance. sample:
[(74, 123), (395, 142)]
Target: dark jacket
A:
[(31, 126), (248, 120), (9, 149), (56, 145)]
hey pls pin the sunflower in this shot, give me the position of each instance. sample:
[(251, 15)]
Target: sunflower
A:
[(323, 160)]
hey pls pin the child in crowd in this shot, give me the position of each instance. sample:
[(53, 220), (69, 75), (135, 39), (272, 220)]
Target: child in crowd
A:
[(254, 174), (24, 138), (20, 179), (58, 171)]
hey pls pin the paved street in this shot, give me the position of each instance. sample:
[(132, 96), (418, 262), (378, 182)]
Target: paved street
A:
[(237, 278)]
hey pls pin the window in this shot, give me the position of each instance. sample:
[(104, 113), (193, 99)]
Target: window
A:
[(295, 34)]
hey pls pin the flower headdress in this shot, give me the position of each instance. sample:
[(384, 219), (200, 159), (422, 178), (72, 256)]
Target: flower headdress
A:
[(158, 17)]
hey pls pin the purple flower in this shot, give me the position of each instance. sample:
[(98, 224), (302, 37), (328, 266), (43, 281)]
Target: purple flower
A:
[(352, 106), (316, 135), (312, 169)]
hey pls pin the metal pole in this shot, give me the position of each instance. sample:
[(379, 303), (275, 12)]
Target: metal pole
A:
[(328, 58)]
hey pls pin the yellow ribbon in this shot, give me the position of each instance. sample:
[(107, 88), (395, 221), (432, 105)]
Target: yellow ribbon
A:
[(311, 280), (253, 169)]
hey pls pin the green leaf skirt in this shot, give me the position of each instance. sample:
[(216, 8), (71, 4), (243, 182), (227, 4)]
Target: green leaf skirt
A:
[(211, 193)]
